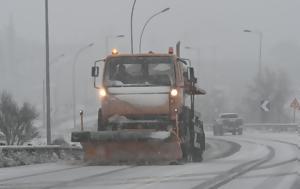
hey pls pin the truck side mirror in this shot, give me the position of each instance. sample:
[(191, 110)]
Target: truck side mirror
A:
[(191, 76), (95, 71)]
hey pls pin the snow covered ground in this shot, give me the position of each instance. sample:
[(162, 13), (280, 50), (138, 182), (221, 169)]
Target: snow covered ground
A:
[(264, 160)]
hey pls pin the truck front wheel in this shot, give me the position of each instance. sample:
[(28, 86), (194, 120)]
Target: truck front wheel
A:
[(215, 130), (234, 132), (100, 126), (240, 132), (197, 155), (221, 130)]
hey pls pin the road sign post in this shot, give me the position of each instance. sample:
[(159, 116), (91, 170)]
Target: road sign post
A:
[(296, 106)]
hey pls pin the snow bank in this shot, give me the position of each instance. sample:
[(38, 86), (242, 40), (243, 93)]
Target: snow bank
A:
[(26, 156)]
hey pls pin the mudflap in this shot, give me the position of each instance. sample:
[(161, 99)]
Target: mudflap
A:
[(105, 147)]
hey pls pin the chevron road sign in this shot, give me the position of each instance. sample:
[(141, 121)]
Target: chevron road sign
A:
[(295, 104), (265, 105)]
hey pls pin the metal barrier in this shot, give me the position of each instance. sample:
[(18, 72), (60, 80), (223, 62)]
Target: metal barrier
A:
[(266, 126), (273, 126)]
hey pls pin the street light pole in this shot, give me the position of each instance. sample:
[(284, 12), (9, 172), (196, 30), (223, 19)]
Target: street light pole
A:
[(107, 41), (131, 17), (73, 80), (44, 106), (47, 75), (196, 49), (260, 54), (146, 23), (260, 35), (56, 59)]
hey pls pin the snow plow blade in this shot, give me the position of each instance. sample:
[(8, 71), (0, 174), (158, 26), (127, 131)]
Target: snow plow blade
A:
[(129, 146)]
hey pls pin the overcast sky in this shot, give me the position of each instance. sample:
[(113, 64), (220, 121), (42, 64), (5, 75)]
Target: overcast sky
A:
[(205, 25), (197, 22)]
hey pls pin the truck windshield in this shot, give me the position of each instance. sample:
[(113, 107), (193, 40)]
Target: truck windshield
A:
[(139, 71)]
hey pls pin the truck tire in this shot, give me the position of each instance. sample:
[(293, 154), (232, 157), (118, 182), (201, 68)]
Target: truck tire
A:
[(184, 133), (239, 121), (221, 130), (240, 132), (185, 152), (234, 132), (100, 125), (196, 152), (197, 155), (202, 138), (215, 131)]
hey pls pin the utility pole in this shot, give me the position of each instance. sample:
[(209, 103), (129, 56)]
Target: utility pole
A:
[(47, 76)]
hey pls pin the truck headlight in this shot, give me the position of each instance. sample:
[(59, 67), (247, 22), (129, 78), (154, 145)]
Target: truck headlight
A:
[(174, 92), (102, 92)]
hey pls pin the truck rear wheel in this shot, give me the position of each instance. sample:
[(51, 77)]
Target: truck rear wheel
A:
[(184, 151)]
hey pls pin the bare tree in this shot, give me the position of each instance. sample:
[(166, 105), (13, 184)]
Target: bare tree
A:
[(272, 86), (17, 123)]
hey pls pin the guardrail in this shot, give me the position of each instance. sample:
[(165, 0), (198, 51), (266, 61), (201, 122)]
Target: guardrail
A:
[(273, 126), (266, 126)]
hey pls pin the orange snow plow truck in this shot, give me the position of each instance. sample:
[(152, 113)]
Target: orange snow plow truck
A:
[(147, 112)]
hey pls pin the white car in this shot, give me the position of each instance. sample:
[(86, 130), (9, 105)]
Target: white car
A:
[(228, 122)]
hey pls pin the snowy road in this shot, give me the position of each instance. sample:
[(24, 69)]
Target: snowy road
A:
[(260, 161)]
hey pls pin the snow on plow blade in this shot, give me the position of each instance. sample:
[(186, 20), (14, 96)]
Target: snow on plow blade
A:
[(129, 146)]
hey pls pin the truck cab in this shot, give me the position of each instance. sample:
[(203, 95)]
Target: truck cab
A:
[(140, 88)]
